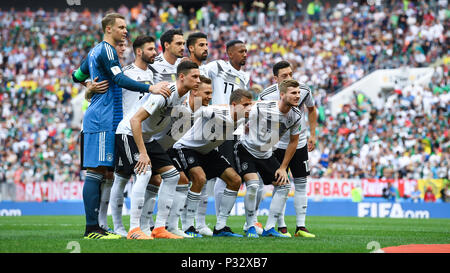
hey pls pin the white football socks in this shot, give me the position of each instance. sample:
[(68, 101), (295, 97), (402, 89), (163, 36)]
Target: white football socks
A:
[(177, 206), (250, 202), (280, 221), (226, 205), (116, 200), (276, 205), (138, 198), (105, 193), (166, 194), (149, 205), (200, 217), (192, 201), (219, 187), (300, 200)]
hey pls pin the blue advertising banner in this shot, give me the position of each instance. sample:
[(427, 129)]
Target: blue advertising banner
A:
[(326, 208)]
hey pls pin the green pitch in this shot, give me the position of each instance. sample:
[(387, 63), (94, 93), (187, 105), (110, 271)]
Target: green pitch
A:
[(63, 234)]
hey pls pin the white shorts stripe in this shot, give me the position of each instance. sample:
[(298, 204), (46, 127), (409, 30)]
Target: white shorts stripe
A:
[(182, 158), (102, 146), (127, 149)]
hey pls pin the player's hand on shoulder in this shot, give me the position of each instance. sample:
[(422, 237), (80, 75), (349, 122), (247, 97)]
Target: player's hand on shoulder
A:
[(96, 87), (161, 88)]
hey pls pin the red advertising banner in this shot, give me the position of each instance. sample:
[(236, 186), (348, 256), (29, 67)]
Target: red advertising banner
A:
[(323, 188), (341, 188), (49, 191)]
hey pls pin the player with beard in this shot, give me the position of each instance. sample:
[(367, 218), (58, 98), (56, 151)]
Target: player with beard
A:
[(164, 68), (227, 76), (197, 45), (145, 52)]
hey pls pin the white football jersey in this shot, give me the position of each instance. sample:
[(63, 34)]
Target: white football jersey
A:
[(164, 71), (213, 124), (130, 98), (306, 99), (265, 126), (225, 79), (182, 121), (160, 110)]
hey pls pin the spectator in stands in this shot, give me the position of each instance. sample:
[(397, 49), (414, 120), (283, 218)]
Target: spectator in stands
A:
[(390, 192), (429, 195), (415, 195), (357, 193), (3, 186), (317, 195), (445, 193)]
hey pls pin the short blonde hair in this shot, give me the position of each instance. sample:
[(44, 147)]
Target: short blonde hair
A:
[(110, 19), (284, 85)]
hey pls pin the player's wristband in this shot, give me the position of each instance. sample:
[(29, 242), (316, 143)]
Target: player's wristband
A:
[(79, 76)]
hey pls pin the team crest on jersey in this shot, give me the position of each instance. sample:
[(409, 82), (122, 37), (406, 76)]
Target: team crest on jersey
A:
[(191, 160), (229, 76), (244, 166), (109, 157)]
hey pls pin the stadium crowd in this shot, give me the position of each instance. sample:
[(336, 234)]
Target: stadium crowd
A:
[(330, 47)]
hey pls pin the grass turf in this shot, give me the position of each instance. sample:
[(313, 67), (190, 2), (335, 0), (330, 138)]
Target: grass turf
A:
[(54, 234)]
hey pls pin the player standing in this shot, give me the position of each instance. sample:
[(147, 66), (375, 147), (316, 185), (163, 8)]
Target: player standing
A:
[(103, 115), (299, 162), (145, 53), (107, 183), (165, 66), (268, 121), (227, 76), (197, 45)]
